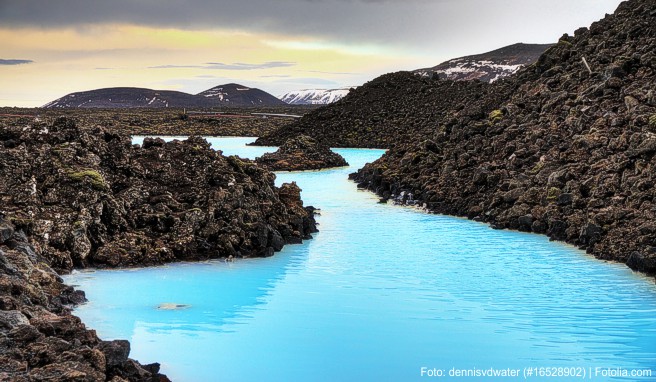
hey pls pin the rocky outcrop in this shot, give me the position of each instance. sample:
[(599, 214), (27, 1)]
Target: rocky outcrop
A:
[(399, 107), (568, 151), (301, 153), (78, 197), (565, 147), (39, 338), (389, 110), (91, 198)]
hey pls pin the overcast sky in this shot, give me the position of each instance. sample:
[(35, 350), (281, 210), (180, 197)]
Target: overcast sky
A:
[(54, 47)]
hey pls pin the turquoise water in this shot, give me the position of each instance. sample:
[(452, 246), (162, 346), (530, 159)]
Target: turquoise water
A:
[(379, 293)]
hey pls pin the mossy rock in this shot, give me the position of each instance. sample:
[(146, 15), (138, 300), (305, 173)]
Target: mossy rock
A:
[(553, 193), (538, 166), (495, 116), (652, 121), (94, 177)]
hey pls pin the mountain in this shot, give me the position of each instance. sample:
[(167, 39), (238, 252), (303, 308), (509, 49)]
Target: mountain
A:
[(314, 96), (127, 97), (239, 95), (378, 113), (565, 147), (490, 66)]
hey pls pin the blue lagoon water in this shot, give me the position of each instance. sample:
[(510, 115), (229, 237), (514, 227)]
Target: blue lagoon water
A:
[(379, 293)]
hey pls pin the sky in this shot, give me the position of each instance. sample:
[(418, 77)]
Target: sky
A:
[(49, 48)]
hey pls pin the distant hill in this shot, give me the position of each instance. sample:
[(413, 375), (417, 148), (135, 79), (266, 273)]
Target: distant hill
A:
[(239, 95), (315, 96), (127, 97), (124, 97), (490, 66)]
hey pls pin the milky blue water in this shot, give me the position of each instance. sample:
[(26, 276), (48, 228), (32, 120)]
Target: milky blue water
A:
[(379, 293)]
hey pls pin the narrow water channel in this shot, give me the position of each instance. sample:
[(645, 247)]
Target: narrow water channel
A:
[(379, 293)]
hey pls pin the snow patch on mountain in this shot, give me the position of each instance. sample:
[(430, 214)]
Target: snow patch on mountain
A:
[(470, 70), (489, 66), (314, 96)]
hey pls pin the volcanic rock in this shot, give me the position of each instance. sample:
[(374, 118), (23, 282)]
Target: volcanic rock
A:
[(564, 147), (88, 197), (556, 149), (389, 110), (39, 338), (78, 197), (301, 153)]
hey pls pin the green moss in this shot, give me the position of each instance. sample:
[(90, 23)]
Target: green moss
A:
[(495, 116), (553, 193), (538, 166), (96, 179), (652, 121), (564, 42)]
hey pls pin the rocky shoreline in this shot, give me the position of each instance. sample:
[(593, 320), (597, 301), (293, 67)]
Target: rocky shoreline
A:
[(569, 152), (40, 339), (566, 147), (84, 196), (301, 153)]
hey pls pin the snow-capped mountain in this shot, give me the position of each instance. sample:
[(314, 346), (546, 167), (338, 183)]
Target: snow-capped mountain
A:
[(489, 66), (222, 95), (124, 97), (239, 95), (314, 96)]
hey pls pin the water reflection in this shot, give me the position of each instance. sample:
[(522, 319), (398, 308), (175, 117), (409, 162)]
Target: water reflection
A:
[(214, 294)]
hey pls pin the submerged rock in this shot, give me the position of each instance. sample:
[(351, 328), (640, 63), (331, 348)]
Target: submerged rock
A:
[(301, 153), (172, 306)]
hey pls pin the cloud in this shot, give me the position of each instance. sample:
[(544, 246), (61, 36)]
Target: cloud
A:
[(175, 67), (244, 66), (314, 82), (233, 66), (412, 24), (15, 62), (324, 72)]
